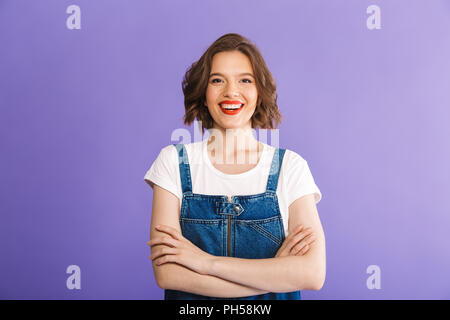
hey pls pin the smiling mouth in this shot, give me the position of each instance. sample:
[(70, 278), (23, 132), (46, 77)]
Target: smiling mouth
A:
[(231, 109)]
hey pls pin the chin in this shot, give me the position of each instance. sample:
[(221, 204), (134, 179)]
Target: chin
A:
[(234, 125)]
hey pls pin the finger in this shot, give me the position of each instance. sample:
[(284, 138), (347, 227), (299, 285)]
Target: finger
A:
[(296, 245), (295, 251), (290, 235), (165, 259), (162, 252), (163, 240), (306, 248), (299, 237), (302, 244), (169, 230), (296, 230)]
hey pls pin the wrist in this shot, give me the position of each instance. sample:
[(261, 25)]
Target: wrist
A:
[(210, 264)]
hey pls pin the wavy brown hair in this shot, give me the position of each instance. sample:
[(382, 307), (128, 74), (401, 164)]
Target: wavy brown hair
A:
[(195, 82)]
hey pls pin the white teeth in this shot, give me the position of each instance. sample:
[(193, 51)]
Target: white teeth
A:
[(231, 106)]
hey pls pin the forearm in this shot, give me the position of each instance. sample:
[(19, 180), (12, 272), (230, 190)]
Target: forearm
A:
[(280, 274), (177, 277)]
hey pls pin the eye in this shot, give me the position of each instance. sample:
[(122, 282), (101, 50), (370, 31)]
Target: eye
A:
[(249, 81), (213, 80)]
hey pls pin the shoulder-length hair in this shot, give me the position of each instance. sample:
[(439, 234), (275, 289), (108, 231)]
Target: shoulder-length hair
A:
[(195, 83)]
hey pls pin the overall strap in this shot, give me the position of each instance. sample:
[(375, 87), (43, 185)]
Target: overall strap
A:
[(185, 171), (274, 173)]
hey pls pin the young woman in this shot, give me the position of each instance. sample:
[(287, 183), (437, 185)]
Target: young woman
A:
[(233, 217)]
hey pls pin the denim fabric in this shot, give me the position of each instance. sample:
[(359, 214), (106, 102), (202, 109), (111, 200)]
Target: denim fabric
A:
[(250, 226)]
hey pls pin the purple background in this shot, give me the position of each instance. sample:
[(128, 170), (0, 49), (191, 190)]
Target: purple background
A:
[(84, 113)]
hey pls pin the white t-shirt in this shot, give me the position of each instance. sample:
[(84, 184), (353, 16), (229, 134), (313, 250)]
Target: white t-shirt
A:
[(295, 178)]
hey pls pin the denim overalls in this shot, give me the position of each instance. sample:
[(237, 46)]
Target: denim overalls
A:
[(247, 226)]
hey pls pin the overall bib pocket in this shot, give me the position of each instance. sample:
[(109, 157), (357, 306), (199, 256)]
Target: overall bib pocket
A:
[(258, 239), (205, 234)]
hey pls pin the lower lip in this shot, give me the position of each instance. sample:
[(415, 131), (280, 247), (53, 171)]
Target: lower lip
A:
[(231, 112)]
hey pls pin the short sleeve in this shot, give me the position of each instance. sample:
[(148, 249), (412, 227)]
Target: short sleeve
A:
[(164, 171), (300, 181)]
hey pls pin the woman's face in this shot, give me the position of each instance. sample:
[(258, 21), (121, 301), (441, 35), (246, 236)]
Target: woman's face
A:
[(231, 94)]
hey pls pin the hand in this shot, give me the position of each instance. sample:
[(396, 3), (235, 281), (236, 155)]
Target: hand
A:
[(297, 243), (180, 250)]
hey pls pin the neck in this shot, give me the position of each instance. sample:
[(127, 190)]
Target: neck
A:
[(229, 142)]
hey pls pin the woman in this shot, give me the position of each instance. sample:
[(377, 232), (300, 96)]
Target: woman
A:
[(234, 220)]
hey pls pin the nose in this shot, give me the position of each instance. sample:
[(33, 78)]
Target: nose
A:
[(231, 90)]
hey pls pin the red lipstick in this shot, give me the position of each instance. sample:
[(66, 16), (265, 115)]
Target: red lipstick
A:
[(231, 111)]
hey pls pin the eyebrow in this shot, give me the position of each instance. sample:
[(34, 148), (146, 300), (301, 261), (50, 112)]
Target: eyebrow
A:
[(242, 74)]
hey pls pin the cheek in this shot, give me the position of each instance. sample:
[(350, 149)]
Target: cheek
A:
[(252, 110), (252, 96), (211, 89), (211, 95), (251, 93)]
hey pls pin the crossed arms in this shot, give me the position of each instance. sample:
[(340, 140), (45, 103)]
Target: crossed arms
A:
[(179, 265)]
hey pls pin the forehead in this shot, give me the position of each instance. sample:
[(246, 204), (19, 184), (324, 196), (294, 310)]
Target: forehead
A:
[(231, 62)]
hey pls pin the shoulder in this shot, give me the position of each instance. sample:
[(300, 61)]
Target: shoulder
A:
[(298, 178), (290, 159), (293, 160), (168, 153)]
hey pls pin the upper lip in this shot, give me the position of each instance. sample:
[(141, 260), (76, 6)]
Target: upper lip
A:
[(231, 102)]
